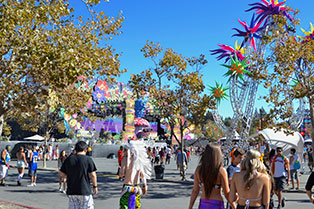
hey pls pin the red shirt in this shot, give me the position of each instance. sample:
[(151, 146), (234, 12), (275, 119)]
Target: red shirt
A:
[(120, 156)]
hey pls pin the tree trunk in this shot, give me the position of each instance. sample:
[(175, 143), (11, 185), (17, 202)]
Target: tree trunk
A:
[(44, 151), (1, 124), (182, 149), (311, 101), (2, 112)]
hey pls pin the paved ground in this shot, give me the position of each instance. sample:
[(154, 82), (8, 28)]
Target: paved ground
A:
[(169, 193)]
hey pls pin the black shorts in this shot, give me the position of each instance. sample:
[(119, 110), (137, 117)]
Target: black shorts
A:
[(280, 183)]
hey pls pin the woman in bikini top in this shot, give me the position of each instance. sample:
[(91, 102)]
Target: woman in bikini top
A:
[(211, 178), (251, 186)]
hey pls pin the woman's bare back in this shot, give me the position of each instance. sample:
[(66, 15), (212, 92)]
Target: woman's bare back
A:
[(20, 156), (256, 191)]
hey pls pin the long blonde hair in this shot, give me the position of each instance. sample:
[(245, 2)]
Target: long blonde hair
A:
[(252, 164)]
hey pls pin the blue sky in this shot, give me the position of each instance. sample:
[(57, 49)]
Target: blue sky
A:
[(190, 28)]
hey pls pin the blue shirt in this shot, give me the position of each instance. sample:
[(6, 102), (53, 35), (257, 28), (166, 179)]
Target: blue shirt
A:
[(232, 169), (8, 157), (179, 158), (34, 160)]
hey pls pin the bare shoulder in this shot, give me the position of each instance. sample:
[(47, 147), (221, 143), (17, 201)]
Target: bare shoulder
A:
[(197, 169), (264, 176), (222, 171)]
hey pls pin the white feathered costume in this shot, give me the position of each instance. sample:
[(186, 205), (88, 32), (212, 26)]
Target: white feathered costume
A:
[(137, 160)]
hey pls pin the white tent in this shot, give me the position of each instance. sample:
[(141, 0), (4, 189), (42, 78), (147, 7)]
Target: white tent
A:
[(281, 139), (308, 141), (35, 138)]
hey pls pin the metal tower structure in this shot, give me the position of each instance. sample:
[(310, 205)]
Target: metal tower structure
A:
[(243, 92)]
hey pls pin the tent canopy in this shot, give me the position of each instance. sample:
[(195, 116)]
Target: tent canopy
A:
[(35, 138), (281, 139)]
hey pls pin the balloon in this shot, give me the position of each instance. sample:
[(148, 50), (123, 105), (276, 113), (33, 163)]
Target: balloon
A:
[(269, 9), (250, 31)]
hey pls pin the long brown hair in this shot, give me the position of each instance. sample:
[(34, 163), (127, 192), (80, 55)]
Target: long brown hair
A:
[(210, 163)]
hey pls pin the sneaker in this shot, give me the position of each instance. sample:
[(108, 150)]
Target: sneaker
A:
[(64, 191), (34, 184), (279, 207), (60, 190), (19, 183), (283, 202), (30, 185)]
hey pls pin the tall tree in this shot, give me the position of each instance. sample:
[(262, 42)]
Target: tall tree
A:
[(181, 101), (45, 47), (289, 72)]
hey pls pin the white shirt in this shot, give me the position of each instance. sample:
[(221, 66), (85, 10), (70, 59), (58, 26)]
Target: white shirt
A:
[(279, 167)]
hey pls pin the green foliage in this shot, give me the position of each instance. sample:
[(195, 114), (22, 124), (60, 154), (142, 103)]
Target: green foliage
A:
[(44, 48), (181, 101), (290, 59)]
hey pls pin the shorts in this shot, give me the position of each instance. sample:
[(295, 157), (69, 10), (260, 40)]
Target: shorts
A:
[(33, 173), (280, 183), (81, 201), (3, 171), (20, 164), (182, 166), (294, 173)]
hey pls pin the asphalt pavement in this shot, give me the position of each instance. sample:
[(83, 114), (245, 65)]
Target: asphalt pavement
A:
[(169, 193)]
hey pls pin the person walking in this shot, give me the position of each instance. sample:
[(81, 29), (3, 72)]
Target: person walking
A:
[(168, 155), (308, 187), (120, 157), (182, 163), (62, 179), (33, 166), (21, 164), (4, 164), (210, 177), (79, 170), (280, 166), (55, 153), (236, 158), (294, 160), (251, 186), (135, 170)]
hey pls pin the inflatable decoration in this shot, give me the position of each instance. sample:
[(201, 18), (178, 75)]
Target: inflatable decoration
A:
[(219, 92), (250, 32), (237, 68), (139, 107), (243, 91), (272, 7), (141, 122), (309, 35), (99, 95), (227, 51)]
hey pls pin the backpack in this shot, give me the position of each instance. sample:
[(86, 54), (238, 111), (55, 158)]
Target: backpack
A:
[(297, 165)]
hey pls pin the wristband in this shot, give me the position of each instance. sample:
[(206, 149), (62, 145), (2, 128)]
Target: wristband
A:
[(94, 187)]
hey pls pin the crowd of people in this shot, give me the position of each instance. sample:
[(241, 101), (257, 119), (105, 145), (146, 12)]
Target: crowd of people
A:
[(251, 181)]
